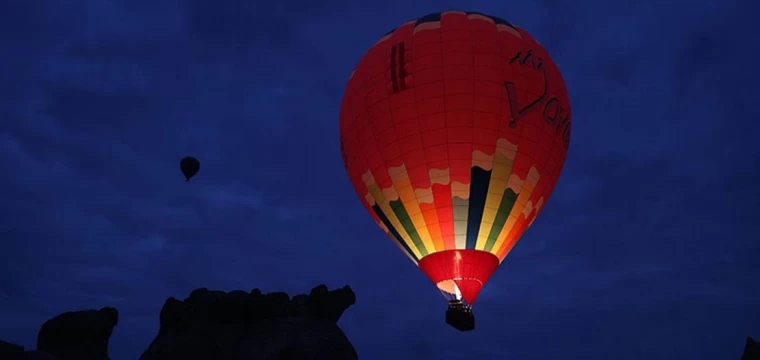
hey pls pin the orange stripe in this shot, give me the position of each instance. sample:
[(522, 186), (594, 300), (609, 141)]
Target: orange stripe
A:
[(434, 228), (514, 235), (445, 214)]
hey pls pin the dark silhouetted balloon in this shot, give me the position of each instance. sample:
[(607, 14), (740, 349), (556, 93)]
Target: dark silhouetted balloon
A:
[(189, 166)]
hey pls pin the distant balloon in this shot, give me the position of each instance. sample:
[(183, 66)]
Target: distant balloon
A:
[(189, 166)]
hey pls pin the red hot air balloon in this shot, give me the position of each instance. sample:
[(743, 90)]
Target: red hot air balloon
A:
[(454, 130)]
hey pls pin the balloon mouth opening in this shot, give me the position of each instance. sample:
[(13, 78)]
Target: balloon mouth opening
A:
[(451, 291), (459, 274)]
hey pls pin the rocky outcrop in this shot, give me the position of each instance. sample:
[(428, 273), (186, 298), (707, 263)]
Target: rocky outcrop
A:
[(78, 335), (10, 351), (210, 325), (751, 350), (253, 325), (217, 325)]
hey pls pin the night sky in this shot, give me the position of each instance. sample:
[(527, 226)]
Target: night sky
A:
[(648, 249)]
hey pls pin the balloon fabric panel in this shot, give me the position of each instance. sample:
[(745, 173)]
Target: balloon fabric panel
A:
[(454, 130)]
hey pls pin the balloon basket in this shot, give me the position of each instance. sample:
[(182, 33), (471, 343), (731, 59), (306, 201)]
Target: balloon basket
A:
[(459, 316)]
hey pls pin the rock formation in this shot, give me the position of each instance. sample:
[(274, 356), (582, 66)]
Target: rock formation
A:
[(11, 351), (79, 334), (221, 326), (210, 325), (751, 350), (241, 325)]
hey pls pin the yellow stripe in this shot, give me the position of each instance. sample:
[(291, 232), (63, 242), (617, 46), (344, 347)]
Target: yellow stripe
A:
[(522, 199), (403, 186), (377, 195), (514, 183), (502, 168), (460, 206)]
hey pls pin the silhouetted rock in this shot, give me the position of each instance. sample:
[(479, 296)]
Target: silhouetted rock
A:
[(751, 350), (239, 325), (10, 351), (38, 355), (78, 335), (215, 325)]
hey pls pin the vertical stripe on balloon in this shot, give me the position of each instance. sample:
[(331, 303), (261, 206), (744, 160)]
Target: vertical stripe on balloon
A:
[(514, 184), (384, 207), (441, 187), (393, 234), (480, 180), (427, 206), (523, 204), (527, 187), (499, 200), (460, 209), (411, 206)]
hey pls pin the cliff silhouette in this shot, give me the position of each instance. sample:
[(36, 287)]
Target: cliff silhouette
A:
[(210, 325), (751, 350), (218, 325)]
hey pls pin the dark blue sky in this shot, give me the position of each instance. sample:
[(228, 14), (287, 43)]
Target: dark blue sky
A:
[(648, 249)]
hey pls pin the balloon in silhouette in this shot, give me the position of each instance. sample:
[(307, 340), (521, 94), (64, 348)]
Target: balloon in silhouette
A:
[(189, 166), (454, 130)]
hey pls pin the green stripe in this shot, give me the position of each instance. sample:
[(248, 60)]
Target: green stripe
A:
[(398, 208), (393, 232), (505, 207)]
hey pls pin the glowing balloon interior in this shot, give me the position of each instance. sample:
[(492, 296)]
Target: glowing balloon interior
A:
[(454, 130)]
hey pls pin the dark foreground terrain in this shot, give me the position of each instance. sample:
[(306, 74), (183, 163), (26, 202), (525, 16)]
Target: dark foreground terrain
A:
[(210, 325), (216, 325)]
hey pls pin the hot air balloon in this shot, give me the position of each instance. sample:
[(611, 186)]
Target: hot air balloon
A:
[(454, 130), (189, 166)]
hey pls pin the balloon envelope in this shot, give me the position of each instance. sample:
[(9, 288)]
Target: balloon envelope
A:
[(454, 130), (189, 166)]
